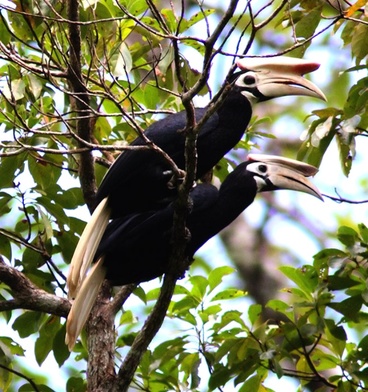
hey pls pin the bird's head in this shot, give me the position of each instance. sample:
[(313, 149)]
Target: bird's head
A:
[(272, 173), (260, 79)]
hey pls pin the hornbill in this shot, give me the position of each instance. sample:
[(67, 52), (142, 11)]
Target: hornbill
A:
[(138, 180), (136, 248)]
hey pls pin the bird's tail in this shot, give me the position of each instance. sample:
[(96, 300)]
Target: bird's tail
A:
[(83, 303), (86, 248)]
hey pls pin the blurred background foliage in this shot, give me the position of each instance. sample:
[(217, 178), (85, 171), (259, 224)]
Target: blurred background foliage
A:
[(296, 308)]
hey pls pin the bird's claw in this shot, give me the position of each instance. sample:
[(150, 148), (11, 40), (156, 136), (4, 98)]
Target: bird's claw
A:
[(176, 180)]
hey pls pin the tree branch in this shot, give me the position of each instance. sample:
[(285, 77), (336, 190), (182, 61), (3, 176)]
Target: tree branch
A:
[(82, 104), (28, 296), (340, 199)]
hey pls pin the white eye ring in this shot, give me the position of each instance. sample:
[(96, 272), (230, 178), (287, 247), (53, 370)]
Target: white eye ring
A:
[(258, 168), (247, 80)]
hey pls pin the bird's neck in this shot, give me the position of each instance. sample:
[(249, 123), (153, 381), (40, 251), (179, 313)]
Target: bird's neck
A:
[(236, 107), (235, 195)]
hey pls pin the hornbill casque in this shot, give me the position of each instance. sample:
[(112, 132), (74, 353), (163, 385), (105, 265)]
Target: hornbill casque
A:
[(138, 180), (136, 248)]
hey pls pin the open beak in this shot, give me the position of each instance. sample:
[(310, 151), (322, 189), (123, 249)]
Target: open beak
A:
[(285, 173), (281, 76)]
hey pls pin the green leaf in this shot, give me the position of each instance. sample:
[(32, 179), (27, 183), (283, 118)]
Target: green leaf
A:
[(47, 227), (349, 307), (30, 388), (170, 19), (305, 278), (337, 336), (44, 343), (346, 146), (43, 173), (363, 231), (70, 198), (28, 323), (347, 235), (122, 60), (208, 312), (10, 167), (59, 348), (340, 282), (359, 42), (215, 277), (189, 366), (185, 304), (220, 376), (16, 90), (35, 85), (141, 294), (281, 307), (68, 242), (320, 135), (5, 247), (254, 312), (200, 284), (76, 384), (323, 258), (229, 294), (306, 27), (127, 317), (253, 384), (197, 17)]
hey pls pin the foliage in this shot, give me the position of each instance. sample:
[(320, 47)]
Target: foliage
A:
[(76, 86)]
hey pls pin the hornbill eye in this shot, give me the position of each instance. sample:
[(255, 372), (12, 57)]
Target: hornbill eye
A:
[(262, 168), (249, 80)]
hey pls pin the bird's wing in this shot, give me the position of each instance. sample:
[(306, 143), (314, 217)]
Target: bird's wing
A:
[(136, 165), (131, 232), (83, 303), (86, 248)]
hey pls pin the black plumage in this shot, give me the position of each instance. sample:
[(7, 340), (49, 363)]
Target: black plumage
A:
[(136, 248), (139, 180)]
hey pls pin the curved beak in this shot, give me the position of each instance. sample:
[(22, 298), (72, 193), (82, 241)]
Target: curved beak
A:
[(281, 76), (285, 173)]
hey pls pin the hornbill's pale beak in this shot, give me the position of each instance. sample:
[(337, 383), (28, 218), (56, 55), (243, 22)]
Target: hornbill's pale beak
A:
[(285, 173), (281, 76)]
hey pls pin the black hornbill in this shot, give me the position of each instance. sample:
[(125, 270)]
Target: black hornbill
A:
[(138, 180), (136, 248)]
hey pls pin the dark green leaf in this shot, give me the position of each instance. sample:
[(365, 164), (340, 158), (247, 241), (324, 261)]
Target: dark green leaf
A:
[(30, 388), (347, 235), (59, 348), (45, 341), (363, 231), (28, 323), (76, 384), (348, 307)]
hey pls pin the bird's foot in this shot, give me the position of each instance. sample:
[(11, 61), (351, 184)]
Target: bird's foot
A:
[(175, 180)]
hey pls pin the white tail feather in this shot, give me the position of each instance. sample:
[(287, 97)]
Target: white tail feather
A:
[(83, 303), (86, 248)]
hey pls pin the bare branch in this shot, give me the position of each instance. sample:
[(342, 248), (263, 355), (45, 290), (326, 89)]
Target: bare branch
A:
[(28, 296), (340, 199), (19, 374)]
